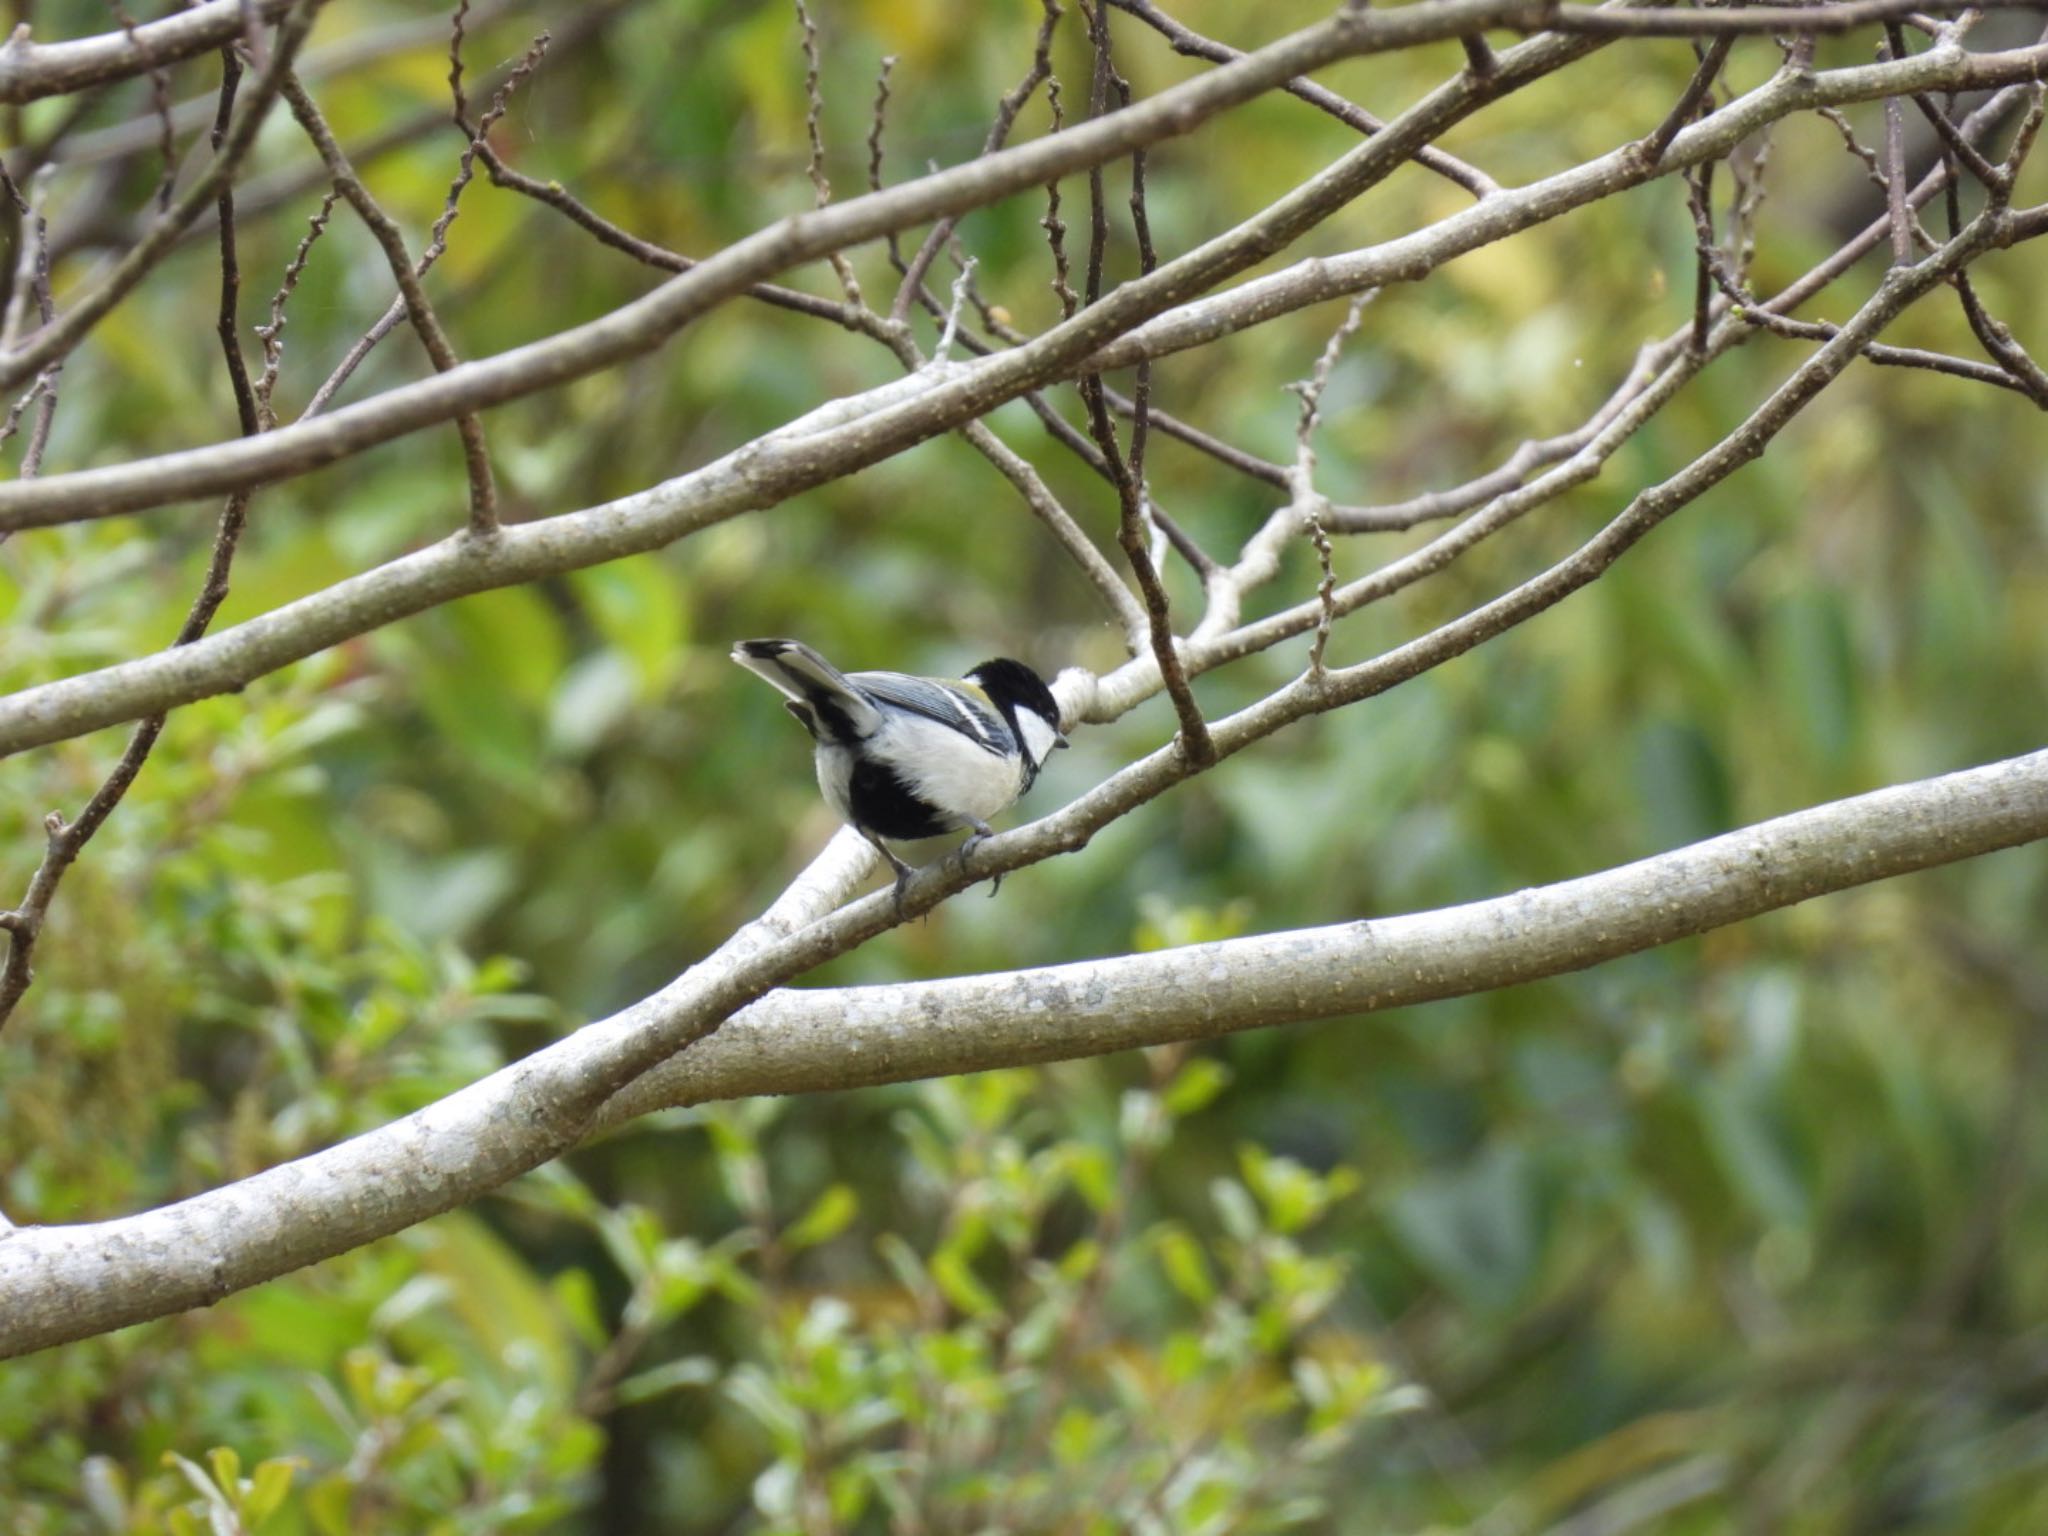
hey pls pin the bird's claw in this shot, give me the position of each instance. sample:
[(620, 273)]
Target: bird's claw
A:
[(966, 852)]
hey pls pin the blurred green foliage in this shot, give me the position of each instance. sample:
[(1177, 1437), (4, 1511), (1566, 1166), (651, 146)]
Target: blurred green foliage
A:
[(1746, 1234)]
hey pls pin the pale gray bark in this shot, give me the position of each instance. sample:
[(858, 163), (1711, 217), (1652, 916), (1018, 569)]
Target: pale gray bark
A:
[(1087, 343), (30, 70), (850, 434), (64, 1283), (725, 1028)]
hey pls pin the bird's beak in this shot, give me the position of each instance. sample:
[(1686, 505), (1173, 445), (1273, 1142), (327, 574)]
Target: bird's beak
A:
[(1062, 742)]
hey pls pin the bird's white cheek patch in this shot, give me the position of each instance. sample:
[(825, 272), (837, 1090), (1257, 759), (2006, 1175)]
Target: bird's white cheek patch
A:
[(1038, 736)]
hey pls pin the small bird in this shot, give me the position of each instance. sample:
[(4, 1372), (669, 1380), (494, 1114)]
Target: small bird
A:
[(908, 757)]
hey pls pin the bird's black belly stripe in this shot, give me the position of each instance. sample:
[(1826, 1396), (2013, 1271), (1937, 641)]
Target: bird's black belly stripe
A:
[(881, 803)]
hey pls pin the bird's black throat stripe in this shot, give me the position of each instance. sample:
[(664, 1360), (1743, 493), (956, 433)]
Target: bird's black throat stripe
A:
[(883, 804)]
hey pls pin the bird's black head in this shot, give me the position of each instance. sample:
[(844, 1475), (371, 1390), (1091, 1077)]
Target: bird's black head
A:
[(1018, 692)]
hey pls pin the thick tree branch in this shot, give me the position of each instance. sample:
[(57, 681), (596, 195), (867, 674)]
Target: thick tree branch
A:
[(65, 1283), (805, 1041), (30, 71)]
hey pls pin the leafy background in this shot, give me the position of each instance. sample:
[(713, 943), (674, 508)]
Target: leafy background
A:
[(1742, 1235)]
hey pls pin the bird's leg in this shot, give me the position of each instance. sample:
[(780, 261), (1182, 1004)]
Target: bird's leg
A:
[(903, 870), (982, 832)]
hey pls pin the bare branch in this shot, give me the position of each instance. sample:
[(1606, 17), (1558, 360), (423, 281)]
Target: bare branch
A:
[(57, 339), (878, 118), (852, 433), (642, 325), (61, 1287), (1129, 476), (998, 134), (56, 1279), (64, 841), (1681, 21), (1413, 256), (272, 334), (31, 281), (821, 185), (30, 71), (1192, 44), (1307, 502), (437, 241), (356, 51), (1689, 103), (483, 501)]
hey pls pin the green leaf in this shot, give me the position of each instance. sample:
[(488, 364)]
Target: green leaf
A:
[(1185, 1264), (1093, 1174), (958, 1283), (830, 1214), (690, 1371), (227, 1468), (576, 1294), (641, 611), (1195, 1086), (593, 698), (268, 1488), (327, 1502)]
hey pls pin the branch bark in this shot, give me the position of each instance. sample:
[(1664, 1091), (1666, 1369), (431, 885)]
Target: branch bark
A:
[(1148, 332), (646, 323), (66, 1283), (30, 71)]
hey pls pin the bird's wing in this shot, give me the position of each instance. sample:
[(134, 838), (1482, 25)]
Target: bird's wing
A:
[(950, 704)]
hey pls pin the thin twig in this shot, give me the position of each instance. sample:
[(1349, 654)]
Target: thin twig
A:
[(1307, 501), (272, 334), (1688, 104), (1192, 44), (437, 243), (877, 121), (1895, 174), (31, 282), (63, 841), (483, 501), (1194, 734), (160, 104), (1699, 198), (821, 184), (998, 134), (459, 103)]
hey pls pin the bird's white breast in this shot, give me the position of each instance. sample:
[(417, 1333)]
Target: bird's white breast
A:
[(943, 768)]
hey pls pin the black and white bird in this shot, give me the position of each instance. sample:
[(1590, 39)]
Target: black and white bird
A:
[(909, 757)]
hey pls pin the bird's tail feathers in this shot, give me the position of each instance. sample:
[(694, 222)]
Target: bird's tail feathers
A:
[(808, 678)]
